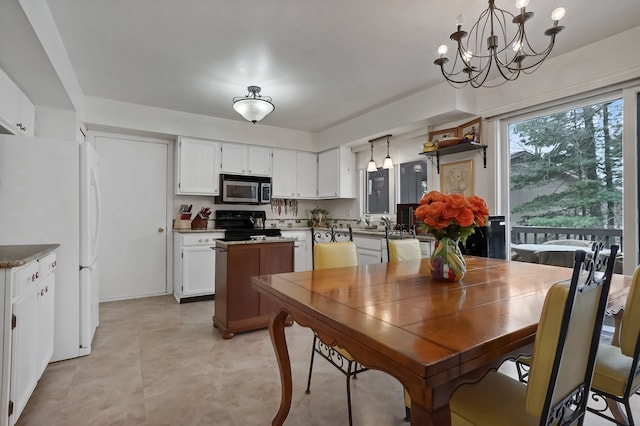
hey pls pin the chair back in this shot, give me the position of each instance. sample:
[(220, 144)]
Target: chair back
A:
[(630, 325), (566, 343), (399, 249), (333, 248)]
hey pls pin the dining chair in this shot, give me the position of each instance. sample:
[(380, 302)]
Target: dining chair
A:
[(562, 365), (399, 249), (616, 376), (339, 251)]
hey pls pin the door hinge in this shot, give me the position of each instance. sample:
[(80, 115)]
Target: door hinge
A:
[(10, 408), (14, 320)]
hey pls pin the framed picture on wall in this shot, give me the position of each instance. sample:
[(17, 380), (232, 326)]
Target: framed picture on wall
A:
[(457, 178), (436, 135), (471, 130)]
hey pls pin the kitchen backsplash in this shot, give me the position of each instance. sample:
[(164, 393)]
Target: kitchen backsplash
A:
[(283, 213)]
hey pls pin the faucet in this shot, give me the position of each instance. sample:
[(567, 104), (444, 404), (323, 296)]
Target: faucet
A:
[(387, 221)]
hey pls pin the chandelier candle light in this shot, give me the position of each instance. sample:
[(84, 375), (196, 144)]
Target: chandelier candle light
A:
[(511, 55), (253, 107), (450, 219)]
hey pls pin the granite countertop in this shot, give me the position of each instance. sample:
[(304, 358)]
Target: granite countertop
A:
[(266, 240), (18, 255)]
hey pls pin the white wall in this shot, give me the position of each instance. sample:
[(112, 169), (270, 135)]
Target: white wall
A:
[(104, 113)]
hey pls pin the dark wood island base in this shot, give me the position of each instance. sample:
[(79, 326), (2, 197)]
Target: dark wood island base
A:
[(238, 306)]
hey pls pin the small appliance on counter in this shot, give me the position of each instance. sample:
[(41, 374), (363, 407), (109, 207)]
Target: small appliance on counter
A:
[(405, 215), (241, 225)]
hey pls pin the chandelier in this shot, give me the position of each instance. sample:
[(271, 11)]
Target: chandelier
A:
[(253, 107), (509, 55)]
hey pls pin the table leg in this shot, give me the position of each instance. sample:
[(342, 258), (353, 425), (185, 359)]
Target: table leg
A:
[(276, 331), (420, 416)]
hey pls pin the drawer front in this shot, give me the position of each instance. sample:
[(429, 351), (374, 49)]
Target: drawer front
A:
[(47, 265), (200, 238), (25, 278), (368, 243)]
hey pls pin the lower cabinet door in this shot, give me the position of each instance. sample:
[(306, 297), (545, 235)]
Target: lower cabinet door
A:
[(45, 296), (199, 270), (23, 351)]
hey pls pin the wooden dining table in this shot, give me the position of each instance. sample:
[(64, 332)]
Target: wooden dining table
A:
[(430, 335)]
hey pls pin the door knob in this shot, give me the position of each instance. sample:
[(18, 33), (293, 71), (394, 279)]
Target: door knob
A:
[(161, 229)]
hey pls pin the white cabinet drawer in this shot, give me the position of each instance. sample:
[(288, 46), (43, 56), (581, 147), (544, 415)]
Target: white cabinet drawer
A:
[(25, 278), (47, 265), (200, 238), (368, 243)]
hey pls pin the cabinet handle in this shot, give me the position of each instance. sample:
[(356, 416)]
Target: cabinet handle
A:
[(41, 292)]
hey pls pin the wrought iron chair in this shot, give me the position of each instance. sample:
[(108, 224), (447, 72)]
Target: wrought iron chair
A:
[(562, 364), (399, 249), (616, 377), (338, 251)]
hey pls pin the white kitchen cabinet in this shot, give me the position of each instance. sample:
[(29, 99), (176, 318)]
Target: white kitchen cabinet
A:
[(369, 249), (301, 249), (25, 121), (197, 163), (295, 174), (242, 159), (336, 173), (17, 113), (28, 300), (194, 264)]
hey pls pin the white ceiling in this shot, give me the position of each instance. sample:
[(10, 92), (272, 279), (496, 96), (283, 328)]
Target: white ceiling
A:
[(322, 62)]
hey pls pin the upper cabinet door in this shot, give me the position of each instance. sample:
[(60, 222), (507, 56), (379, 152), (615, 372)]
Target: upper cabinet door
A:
[(8, 102), (25, 121), (235, 159), (307, 175), (284, 173), (336, 173), (197, 170), (260, 161)]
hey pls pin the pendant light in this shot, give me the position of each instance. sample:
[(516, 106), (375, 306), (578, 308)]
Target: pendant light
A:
[(372, 167), (388, 163)]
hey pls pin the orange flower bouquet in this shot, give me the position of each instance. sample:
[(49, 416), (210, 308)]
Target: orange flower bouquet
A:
[(450, 218), (453, 216)]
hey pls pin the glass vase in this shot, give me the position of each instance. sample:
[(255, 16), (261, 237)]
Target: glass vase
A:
[(446, 262)]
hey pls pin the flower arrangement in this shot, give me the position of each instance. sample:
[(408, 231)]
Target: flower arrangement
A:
[(453, 216)]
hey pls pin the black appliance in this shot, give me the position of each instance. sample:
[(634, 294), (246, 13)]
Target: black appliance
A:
[(488, 241), (241, 225), (241, 189), (405, 215)]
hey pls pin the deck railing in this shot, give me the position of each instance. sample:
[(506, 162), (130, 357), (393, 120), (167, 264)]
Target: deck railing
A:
[(540, 234)]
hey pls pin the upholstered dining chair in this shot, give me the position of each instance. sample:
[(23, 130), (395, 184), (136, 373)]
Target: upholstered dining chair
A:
[(616, 377), (399, 249), (562, 364), (338, 251)]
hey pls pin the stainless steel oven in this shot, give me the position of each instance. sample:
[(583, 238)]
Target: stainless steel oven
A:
[(240, 189)]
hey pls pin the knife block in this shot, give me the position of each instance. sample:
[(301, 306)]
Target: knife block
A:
[(199, 222), (181, 224)]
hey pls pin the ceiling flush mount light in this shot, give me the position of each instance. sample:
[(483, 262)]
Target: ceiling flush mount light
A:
[(509, 55), (388, 163), (372, 167), (253, 107)]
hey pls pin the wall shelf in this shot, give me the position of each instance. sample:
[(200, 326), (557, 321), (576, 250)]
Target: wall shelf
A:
[(462, 147)]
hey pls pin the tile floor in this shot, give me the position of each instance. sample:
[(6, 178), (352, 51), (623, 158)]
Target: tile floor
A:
[(156, 362)]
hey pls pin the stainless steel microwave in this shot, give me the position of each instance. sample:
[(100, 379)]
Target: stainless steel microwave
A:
[(240, 189)]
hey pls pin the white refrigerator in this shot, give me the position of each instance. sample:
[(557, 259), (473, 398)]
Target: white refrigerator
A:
[(49, 193)]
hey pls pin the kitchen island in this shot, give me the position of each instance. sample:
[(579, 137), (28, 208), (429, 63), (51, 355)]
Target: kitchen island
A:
[(238, 306)]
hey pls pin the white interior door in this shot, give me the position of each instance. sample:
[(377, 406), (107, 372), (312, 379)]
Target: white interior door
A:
[(133, 242)]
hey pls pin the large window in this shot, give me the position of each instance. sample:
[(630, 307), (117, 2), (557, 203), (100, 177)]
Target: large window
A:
[(566, 175), (377, 191)]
